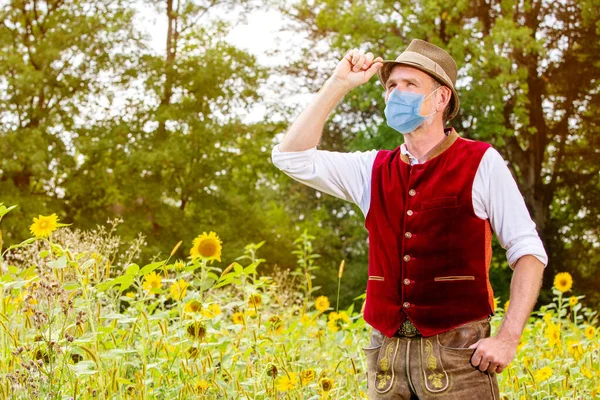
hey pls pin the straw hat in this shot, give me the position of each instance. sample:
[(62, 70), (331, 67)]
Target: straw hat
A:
[(430, 59)]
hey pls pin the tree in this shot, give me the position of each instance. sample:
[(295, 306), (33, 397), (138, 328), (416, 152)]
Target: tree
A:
[(52, 54)]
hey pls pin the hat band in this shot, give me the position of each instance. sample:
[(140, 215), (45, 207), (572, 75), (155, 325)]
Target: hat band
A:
[(427, 63)]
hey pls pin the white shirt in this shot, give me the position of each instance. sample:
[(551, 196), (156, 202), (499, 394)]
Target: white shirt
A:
[(495, 193)]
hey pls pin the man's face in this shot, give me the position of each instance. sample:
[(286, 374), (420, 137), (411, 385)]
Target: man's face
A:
[(408, 79)]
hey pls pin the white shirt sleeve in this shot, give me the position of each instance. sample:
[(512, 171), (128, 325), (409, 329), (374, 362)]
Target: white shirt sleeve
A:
[(343, 175), (496, 196)]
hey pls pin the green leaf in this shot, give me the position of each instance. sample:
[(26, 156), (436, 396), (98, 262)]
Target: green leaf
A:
[(150, 267), (132, 269), (125, 280), (4, 210), (71, 285), (23, 243), (238, 268), (58, 264), (251, 269), (84, 368), (225, 280)]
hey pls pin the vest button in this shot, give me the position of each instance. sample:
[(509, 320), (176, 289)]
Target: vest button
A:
[(407, 281), (406, 258), (412, 192), (408, 235), (409, 213), (406, 304)]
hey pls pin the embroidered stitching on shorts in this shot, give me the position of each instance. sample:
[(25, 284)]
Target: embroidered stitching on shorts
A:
[(434, 375), (384, 380)]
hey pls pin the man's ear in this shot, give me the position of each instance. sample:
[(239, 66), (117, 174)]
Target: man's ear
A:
[(444, 99)]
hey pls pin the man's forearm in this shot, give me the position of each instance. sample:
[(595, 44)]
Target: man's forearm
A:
[(306, 131), (524, 290)]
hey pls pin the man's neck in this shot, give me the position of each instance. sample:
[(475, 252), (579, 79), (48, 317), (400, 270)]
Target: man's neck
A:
[(420, 142)]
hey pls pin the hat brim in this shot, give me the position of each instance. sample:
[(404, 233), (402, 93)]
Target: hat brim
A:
[(388, 65)]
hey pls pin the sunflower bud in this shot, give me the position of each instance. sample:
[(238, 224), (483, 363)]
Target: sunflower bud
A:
[(272, 370)]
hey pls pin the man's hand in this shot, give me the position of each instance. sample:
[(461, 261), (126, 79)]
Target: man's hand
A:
[(356, 68), (493, 354)]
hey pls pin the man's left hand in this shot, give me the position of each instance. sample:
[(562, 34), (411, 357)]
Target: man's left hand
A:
[(493, 354)]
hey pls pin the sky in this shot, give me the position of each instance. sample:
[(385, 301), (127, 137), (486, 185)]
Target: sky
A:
[(263, 31)]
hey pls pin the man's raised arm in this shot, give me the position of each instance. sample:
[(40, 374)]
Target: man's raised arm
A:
[(354, 69)]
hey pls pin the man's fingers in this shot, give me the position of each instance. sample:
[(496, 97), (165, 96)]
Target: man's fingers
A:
[(484, 365), (355, 57), (368, 60), (492, 368), (358, 64)]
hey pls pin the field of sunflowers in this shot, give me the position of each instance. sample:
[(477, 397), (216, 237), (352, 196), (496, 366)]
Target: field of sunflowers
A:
[(79, 319)]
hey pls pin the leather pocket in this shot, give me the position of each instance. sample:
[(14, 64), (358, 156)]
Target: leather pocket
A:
[(376, 278), (454, 278), (440, 202), (462, 337)]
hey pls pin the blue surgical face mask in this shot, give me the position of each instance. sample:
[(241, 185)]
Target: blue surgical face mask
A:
[(403, 110)]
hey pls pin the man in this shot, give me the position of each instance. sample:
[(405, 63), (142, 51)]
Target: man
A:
[(430, 207)]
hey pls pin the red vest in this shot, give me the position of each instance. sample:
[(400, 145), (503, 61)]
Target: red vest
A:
[(429, 254)]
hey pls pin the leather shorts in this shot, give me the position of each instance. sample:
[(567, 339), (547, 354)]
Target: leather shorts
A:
[(437, 366)]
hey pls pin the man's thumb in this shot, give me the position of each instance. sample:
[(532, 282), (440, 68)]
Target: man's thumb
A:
[(373, 69)]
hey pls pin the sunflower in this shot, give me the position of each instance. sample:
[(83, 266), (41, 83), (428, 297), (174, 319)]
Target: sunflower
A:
[(573, 301), (587, 373), (255, 300), (212, 310), (326, 384), (193, 306), (178, 289), (322, 304), (307, 375), (178, 265), (563, 281), (338, 321), (201, 386), (552, 333), (276, 325), (306, 320), (575, 349), (44, 226), (152, 281), (543, 374), (207, 247), (196, 330), (506, 305), (238, 318), (287, 382), (344, 317), (590, 332)]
